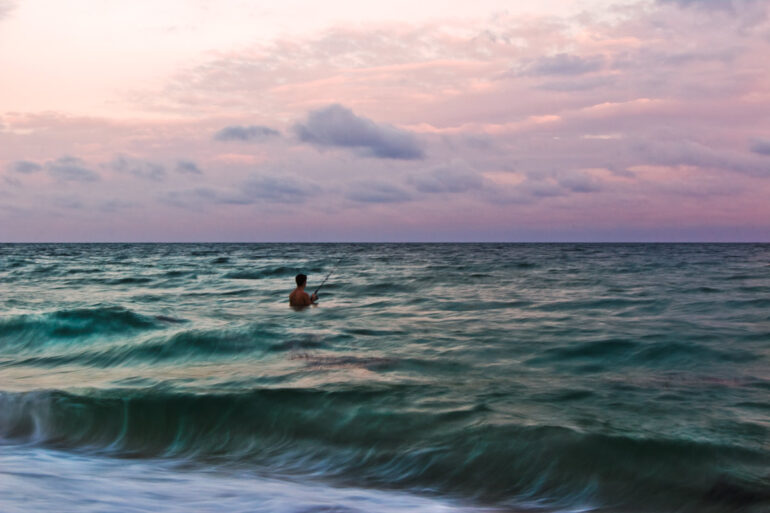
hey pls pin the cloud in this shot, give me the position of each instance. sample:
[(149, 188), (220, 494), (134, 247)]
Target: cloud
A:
[(378, 193), (684, 90), (25, 167), (579, 182), (760, 146), (578, 84), (268, 188), (70, 169), (188, 167), (540, 188), (256, 133), (256, 189), (689, 153), (535, 186), (138, 167), (337, 126), (723, 5), (115, 205), (453, 178), (564, 64), (6, 6), (68, 202), (13, 182)]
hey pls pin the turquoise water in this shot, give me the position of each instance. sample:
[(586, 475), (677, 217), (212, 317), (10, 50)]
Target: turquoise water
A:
[(431, 377)]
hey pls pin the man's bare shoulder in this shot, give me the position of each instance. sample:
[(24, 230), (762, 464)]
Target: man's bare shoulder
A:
[(299, 298)]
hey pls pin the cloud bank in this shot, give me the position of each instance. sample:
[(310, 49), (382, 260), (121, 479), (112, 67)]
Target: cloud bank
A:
[(71, 169), (188, 167), (564, 64), (453, 178), (377, 192), (338, 126), (6, 7), (761, 146), (642, 121), (26, 167), (256, 133), (138, 167)]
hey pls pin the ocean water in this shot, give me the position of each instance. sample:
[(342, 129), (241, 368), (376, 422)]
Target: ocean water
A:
[(430, 377)]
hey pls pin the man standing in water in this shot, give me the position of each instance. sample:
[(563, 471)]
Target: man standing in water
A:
[(299, 298)]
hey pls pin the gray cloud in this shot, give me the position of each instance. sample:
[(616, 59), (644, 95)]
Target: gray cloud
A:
[(541, 185), (564, 64), (256, 133), (68, 202), (6, 6), (257, 189), (452, 178), (114, 205), (578, 84), (527, 192), (268, 188), (189, 199), (378, 193), (14, 182), (188, 167), (579, 182), (688, 153), (540, 189), (724, 5), (337, 126), (760, 146), (138, 167), (70, 169), (25, 167)]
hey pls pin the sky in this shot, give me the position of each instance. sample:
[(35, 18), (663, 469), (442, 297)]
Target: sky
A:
[(202, 120)]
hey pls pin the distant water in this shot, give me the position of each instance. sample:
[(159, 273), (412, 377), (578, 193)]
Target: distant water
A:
[(436, 377)]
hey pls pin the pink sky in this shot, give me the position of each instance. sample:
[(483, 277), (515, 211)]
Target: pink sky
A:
[(584, 120)]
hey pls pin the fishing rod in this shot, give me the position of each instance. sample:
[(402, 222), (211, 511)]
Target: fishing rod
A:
[(327, 276)]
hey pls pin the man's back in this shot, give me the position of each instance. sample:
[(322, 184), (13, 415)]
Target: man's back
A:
[(299, 298)]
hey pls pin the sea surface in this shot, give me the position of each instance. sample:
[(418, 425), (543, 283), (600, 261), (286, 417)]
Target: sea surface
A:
[(430, 377)]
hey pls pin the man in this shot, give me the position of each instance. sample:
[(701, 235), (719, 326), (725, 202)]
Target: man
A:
[(299, 298)]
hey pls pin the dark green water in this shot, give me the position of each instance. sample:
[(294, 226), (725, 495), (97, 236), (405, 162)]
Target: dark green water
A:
[(449, 377)]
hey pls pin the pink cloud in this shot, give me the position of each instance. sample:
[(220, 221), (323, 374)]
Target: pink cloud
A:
[(649, 119)]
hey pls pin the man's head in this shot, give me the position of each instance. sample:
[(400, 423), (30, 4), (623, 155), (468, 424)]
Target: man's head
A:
[(301, 279)]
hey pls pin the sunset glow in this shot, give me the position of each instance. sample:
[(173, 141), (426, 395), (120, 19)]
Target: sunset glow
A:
[(177, 120)]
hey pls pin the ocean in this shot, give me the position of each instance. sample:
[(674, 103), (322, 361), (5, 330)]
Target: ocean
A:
[(430, 377)]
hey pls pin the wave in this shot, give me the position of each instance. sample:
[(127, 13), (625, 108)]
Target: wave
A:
[(616, 303), (617, 351), (216, 293), (151, 486), (468, 306), (271, 272), (396, 286), (176, 273), (84, 270), (350, 435), (45, 270), (179, 347), (31, 330), (128, 280), (262, 273)]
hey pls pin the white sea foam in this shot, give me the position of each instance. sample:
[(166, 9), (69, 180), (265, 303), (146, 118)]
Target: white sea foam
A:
[(36, 479)]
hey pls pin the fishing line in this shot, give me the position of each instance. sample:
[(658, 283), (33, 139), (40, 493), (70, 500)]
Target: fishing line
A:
[(327, 276)]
